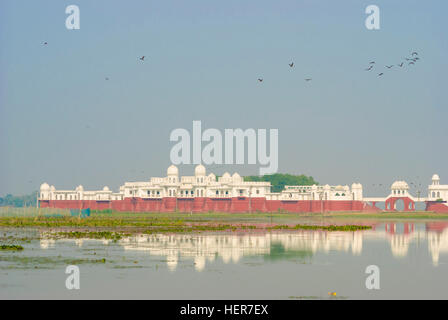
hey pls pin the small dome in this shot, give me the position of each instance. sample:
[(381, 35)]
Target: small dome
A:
[(44, 187), (435, 177), (400, 185), (106, 189), (226, 175), (340, 188), (172, 171), (52, 188), (236, 176), (80, 188), (199, 170)]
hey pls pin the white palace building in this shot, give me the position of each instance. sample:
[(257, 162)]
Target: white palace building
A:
[(230, 193)]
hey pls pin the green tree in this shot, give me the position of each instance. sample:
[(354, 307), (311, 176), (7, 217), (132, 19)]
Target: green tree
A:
[(280, 180), (19, 201)]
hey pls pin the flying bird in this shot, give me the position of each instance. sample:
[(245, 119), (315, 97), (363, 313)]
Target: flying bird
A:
[(142, 58), (260, 79), (388, 67), (414, 53), (107, 78), (411, 62), (308, 79), (291, 64), (369, 68), (45, 43), (400, 65), (380, 74), (372, 62)]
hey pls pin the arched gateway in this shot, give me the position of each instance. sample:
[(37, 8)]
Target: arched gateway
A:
[(399, 193), (392, 204)]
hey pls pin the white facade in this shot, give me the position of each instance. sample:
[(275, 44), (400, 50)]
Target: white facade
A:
[(437, 191), (203, 185)]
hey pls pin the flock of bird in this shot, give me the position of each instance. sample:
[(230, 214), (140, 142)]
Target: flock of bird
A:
[(411, 61), (291, 65)]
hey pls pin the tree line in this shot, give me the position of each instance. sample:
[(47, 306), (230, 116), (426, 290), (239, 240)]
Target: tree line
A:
[(280, 180), (28, 200)]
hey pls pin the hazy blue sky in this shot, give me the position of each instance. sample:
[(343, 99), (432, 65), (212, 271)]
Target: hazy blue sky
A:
[(62, 123)]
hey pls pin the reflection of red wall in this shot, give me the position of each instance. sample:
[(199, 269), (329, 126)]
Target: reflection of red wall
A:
[(237, 204), (408, 228), (436, 226)]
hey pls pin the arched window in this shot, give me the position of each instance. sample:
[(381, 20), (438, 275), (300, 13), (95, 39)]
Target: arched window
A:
[(433, 194), (438, 194)]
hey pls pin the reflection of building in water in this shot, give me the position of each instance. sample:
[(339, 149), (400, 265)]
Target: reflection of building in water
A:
[(437, 243), (231, 248), (203, 248), (46, 243), (402, 235)]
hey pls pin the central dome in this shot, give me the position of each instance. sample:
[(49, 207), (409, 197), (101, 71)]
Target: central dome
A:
[(400, 185), (172, 171), (44, 187), (199, 170)]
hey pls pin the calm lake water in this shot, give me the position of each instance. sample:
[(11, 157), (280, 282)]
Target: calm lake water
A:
[(412, 259)]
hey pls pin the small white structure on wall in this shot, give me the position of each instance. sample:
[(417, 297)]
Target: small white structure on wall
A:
[(437, 191)]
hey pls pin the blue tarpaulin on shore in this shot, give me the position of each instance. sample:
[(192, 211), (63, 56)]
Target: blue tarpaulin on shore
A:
[(80, 213)]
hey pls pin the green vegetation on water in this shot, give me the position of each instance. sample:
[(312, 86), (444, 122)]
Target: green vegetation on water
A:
[(90, 235), (326, 228), (7, 247)]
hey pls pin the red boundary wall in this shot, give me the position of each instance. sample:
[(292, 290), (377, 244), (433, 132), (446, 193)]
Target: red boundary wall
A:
[(238, 204), (439, 207)]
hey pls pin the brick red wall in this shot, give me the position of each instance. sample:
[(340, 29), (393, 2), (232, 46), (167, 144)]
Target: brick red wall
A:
[(237, 204), (436, 207)]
